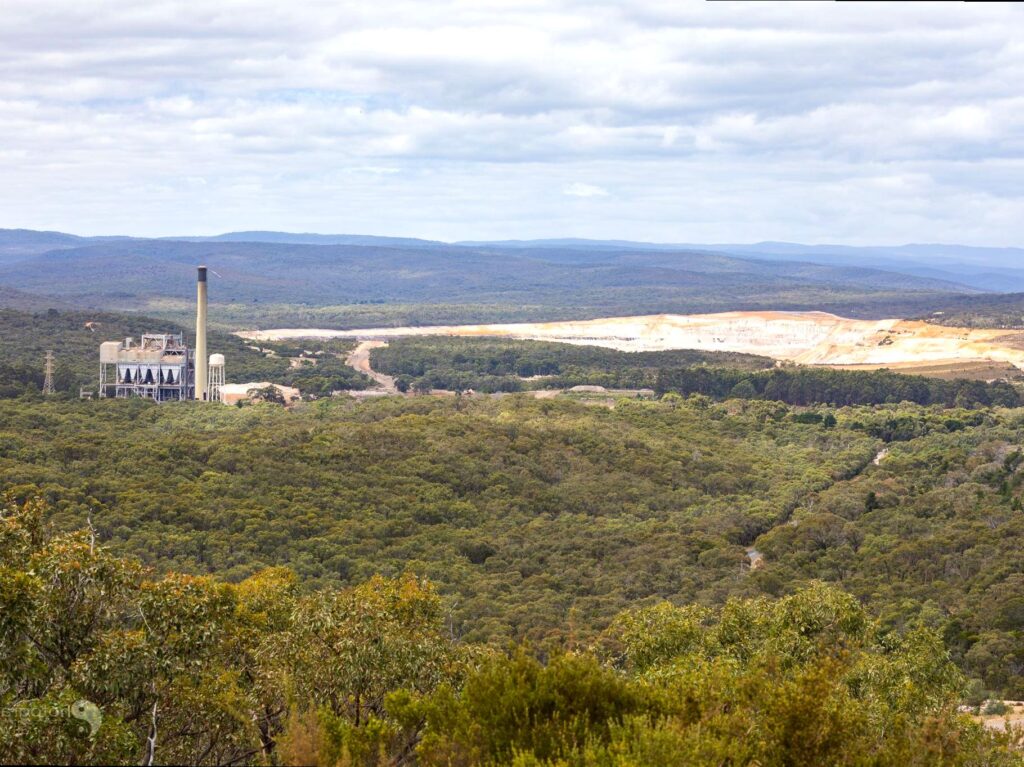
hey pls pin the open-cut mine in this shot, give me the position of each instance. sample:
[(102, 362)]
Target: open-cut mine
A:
[(811, 338)]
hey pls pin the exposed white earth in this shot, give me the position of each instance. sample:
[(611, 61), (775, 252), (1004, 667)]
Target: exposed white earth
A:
[(814, 338)]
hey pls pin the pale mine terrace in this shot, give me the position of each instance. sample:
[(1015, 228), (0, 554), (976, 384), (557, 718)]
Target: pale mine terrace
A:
[(814, 338)]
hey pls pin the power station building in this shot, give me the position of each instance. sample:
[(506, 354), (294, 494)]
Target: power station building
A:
[(161, 366)]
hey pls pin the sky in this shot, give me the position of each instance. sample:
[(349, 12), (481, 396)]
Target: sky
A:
[(668, 121)]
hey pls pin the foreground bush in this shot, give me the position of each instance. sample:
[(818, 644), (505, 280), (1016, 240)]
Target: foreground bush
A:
[(189, 670)]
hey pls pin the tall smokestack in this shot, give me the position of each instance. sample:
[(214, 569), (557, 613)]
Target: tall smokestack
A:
[(202, 371)]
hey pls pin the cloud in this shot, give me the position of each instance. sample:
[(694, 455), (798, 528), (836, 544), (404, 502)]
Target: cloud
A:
[(577, 189), (717, 121)]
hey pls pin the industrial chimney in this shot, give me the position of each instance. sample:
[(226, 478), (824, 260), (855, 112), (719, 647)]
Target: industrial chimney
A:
[(201, 358)]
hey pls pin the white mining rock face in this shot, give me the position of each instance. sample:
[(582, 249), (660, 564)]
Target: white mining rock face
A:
[(814, 338), (231, 394)]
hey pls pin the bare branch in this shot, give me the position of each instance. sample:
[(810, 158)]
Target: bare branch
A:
[(151, 740)]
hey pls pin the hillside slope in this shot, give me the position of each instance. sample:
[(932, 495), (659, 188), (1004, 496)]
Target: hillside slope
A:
[(528, 511), (118, 274)]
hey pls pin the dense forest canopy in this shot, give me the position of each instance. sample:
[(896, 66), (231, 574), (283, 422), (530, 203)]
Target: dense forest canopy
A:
[(179, 669), (491, 364), (526, 512), (811, 386)]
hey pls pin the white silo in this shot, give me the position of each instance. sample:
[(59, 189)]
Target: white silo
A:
[(216, 374)]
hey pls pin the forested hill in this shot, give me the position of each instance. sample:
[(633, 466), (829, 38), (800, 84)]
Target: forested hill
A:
[(814, 386), (983, 268), (542, 517), (186, 670), (504, 365), (544, 283), (980, 311)]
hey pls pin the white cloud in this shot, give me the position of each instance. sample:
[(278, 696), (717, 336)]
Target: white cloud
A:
[(578, 189), (716, 121)]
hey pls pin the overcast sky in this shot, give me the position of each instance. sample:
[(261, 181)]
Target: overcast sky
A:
[(669, 121)]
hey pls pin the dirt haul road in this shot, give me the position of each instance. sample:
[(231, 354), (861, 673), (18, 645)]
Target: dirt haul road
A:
[(810, 338), (359, 358)]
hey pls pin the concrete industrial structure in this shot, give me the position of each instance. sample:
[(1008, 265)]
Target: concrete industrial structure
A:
[(161, 366), (202, 371)]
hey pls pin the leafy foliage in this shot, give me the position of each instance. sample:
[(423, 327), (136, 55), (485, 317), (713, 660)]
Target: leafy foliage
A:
[(522, 508), (492, 365), (809, 679), (542, 519), (810, 386), (189, 670)]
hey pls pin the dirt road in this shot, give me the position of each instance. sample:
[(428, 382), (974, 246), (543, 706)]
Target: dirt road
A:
[(359, 358)]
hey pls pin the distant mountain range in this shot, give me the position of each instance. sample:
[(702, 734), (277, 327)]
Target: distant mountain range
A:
[(594, 276), (987, 269), (286, 238)]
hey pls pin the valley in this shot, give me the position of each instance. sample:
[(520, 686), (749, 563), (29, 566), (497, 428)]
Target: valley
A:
[(601, 494), (517, 384)]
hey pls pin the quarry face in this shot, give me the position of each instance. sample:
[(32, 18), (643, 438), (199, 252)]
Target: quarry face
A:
[(812, 338)]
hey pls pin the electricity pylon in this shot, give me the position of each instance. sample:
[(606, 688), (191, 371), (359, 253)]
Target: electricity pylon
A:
[(48, 381)]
